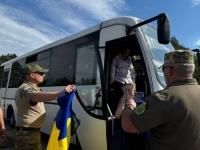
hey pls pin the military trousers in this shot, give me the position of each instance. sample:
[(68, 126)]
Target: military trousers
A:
[(27, 140)]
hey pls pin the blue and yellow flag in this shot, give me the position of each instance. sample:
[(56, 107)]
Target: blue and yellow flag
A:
[(61, 131)]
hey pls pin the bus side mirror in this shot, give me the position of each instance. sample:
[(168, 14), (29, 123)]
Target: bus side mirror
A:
[(198, 55), (163, 29)]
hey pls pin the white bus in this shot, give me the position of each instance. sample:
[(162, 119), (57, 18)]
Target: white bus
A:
[(84, 59)]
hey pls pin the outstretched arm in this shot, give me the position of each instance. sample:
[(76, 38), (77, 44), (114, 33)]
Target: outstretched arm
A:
[(2, 125), (48, 96)]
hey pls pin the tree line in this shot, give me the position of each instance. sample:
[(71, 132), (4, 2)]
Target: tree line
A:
[(178, 46), (174, 42)]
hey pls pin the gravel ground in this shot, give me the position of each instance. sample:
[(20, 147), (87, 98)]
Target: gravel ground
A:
[(8, 145)]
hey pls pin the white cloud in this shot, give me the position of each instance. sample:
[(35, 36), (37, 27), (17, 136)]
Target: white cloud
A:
[(101, 10), (195, 2), (77, 14), (32, 24), (19, 39), (21, 33), (198, 43)]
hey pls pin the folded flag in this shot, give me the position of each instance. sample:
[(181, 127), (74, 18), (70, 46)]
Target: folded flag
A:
[(61, 131)]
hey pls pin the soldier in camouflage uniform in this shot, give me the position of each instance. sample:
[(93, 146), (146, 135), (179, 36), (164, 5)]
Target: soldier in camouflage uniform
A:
[(171, 116), (2, 125), (30, 108)]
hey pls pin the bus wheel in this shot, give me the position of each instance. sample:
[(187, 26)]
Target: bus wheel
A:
[(12, 120)]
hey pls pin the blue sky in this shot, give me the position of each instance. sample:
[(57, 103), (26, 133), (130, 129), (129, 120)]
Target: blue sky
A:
[(29, 24)]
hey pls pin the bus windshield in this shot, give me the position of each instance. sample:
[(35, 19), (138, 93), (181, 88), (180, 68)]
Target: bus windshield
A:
[(157, 50)]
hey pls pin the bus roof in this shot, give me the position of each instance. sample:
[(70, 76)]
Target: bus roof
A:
[(124, 20)]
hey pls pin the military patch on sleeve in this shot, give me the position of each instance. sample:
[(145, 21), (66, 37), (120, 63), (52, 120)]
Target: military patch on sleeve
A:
[(29, 90), (140, 109)]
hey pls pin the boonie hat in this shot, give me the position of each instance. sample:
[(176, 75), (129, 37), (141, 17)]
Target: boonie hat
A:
[(30, 68), (178, 56)]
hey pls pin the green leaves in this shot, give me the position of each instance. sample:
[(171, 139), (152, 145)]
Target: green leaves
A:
[(4, 58), (177, 46)]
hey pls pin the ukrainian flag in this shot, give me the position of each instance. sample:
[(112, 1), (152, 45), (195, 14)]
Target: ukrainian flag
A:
[(61, 132)]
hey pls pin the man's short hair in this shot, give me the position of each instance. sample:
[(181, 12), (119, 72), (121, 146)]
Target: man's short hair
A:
[(124, 50)]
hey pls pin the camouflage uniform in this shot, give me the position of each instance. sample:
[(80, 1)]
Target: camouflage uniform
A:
[(172, 114), (27, 140), (30, 115)]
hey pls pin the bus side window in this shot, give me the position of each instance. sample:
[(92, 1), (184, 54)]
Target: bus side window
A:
[(87, 78)]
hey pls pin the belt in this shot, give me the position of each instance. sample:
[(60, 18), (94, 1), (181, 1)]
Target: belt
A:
[(26, 129)]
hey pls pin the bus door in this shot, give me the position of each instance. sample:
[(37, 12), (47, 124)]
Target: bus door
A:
[(113, 48), (90, 107)]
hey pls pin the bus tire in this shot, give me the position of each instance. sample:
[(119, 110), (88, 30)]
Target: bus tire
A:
[(12, 120)]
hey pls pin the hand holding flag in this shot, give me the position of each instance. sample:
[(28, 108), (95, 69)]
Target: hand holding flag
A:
[(61, 132)]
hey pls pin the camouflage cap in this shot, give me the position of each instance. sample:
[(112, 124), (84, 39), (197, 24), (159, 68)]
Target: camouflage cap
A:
[(30, 68), (179, 56)]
